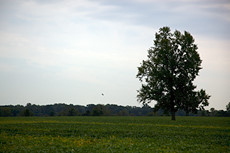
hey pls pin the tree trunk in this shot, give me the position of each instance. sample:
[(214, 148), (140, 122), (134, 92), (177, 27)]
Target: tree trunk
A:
[(173, 115)]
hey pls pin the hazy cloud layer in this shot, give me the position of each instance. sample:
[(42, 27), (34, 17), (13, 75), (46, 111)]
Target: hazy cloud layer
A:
[(71, 51)]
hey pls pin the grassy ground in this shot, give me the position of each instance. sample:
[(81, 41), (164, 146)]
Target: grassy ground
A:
[(114, 134)]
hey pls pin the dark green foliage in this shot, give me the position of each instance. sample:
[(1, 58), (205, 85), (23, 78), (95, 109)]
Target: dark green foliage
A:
[(69, 110), (74, 110), (52, 113), (228, 107), (123, 112), (100, 110), (27, 112), (167, 75), (97, 110), (5, 111)]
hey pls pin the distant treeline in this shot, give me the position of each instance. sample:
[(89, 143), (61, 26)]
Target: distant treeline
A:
[(94, 110)]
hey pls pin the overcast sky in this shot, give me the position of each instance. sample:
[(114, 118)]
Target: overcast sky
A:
[(72, 51)]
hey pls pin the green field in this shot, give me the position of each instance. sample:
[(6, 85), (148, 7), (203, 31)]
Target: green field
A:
[(114, 134)]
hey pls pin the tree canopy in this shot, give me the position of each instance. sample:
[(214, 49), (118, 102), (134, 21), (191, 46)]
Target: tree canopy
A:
[(96, 110), (168, 73)]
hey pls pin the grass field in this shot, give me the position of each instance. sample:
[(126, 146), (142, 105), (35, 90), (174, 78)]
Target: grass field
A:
[(114, 134)]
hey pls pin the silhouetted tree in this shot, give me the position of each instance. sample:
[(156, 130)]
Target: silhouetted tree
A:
[(100, 110), (213, 112), (69, 110), (27, 112), (5, 111), (97, 111), (28, 105), (72, 112), (123, 112), (168, 73), (228, 107), (87, 113), (221, 113)]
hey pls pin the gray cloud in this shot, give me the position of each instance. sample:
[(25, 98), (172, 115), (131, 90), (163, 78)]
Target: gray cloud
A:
[(68, 51)]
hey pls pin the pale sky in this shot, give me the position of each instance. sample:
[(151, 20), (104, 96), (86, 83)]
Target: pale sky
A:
[(72, 51)]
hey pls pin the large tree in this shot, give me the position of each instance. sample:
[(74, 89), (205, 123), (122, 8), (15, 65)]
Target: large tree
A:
[(168, 73)]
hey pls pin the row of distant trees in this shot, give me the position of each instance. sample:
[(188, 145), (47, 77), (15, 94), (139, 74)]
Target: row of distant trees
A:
[(97, 110), (74, 110)]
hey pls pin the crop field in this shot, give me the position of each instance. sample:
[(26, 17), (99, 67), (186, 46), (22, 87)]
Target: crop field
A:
[(114, 134)]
